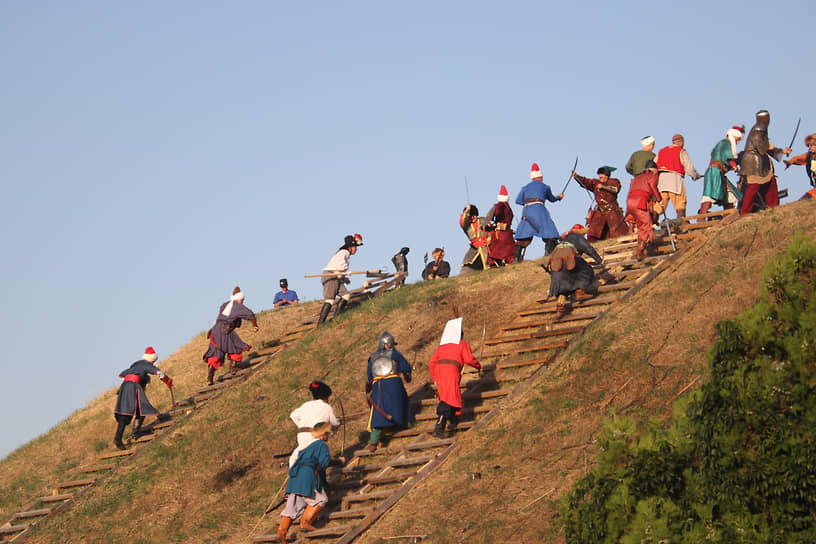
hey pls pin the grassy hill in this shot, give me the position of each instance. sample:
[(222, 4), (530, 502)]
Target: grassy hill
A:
[(211, 478)]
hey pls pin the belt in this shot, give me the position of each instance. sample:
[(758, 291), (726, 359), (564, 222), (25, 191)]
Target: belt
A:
[(135, 378), (304, 429), (451, 362), (533, 201)]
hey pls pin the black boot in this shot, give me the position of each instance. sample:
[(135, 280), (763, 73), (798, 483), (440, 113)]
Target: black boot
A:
[(210, 374), (324, 313), (518, 254), (137, 427), (549, 245), (120, 430), (341, 306), (439, 429)]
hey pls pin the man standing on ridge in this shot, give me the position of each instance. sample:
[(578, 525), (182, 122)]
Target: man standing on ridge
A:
[(606, 219), (131, 400), (673, 163), (285, 297), (717, 188), (474, 228), (535, 219), (334, 280), (224, 341), (387, 397), (501, 249), (756, 167), (637, 162), (438, 267), (807, 159)]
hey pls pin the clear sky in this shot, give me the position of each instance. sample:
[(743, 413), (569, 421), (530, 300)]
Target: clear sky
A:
[(155, 154)]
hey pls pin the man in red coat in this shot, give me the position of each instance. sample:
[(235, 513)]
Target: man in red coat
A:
[(640, 204), (502, 245), (445, 367), (606, 218)]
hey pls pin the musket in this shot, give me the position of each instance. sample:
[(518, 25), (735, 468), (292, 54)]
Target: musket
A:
[(574, 166), (795, 132), (343, 415), (467, 191), (334, 274)]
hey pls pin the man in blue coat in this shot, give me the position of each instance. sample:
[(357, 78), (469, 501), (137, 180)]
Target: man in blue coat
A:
[(387, 397), (535, 220), (307, 482), (131, 400)]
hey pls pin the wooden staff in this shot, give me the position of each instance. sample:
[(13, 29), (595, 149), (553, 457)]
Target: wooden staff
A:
[(333, 274)]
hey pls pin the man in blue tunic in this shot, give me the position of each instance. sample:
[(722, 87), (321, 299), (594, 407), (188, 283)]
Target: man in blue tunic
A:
[(224, 341), (285, 297), (387, 397), (307, 482), (131, 400), (535, 219)]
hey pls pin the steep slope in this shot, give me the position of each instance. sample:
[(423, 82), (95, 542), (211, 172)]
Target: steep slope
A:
[(212, 478)]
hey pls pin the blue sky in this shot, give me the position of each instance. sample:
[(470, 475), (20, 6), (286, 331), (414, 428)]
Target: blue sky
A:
[(156, 154)]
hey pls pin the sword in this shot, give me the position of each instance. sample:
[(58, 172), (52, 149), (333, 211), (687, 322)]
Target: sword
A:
[(795, 132), (574, 166)]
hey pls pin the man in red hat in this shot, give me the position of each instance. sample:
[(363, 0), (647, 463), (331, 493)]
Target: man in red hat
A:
[(570, 273), (131, 400), (605, 220), (224, 341), (502, 246), (536, 220), (334, 279)]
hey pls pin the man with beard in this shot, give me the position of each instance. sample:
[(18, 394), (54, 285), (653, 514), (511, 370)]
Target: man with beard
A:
[(387, 397), (756, 168), (606, 218)]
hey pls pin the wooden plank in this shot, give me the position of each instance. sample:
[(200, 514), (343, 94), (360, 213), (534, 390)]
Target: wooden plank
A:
[(527, 349), (75, 483), (57, 497), (351, 513), (327, 531), (33, 513), (465, 412), (544, 322), (525, 362), (468, 396), (114, 454), (388, 479), (96, 468), (366, 497), (11, 529), (394, 463), (531, 335)]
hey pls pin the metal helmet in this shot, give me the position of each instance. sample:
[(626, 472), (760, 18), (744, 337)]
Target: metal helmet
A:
[(386, 341), (762, 116), (382, 365)]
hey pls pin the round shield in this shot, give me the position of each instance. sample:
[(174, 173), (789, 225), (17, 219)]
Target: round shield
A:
[(381, 366)]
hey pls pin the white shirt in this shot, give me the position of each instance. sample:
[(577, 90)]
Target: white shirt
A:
[(338, 263), (309, 414)]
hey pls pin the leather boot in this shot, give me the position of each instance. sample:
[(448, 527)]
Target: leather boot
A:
[(340, 307), (120, 430), (561, 306), (518, 254), (324, 313), (581, 294), (439, 429), (137, 427), (210, 375), (309, 515), (641, 250), (283, 528)]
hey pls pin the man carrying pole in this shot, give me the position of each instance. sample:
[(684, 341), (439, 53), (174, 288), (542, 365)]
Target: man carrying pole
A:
[(335, 278)]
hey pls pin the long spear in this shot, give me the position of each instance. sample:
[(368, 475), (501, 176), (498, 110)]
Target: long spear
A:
[(574, 166)]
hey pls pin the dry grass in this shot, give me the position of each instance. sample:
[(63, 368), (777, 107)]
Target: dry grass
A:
[(211, 480)]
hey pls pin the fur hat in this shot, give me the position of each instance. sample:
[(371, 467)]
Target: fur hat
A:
[(150, 355)]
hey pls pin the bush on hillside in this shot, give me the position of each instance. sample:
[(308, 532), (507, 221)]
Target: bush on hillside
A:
[(738, 462)]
